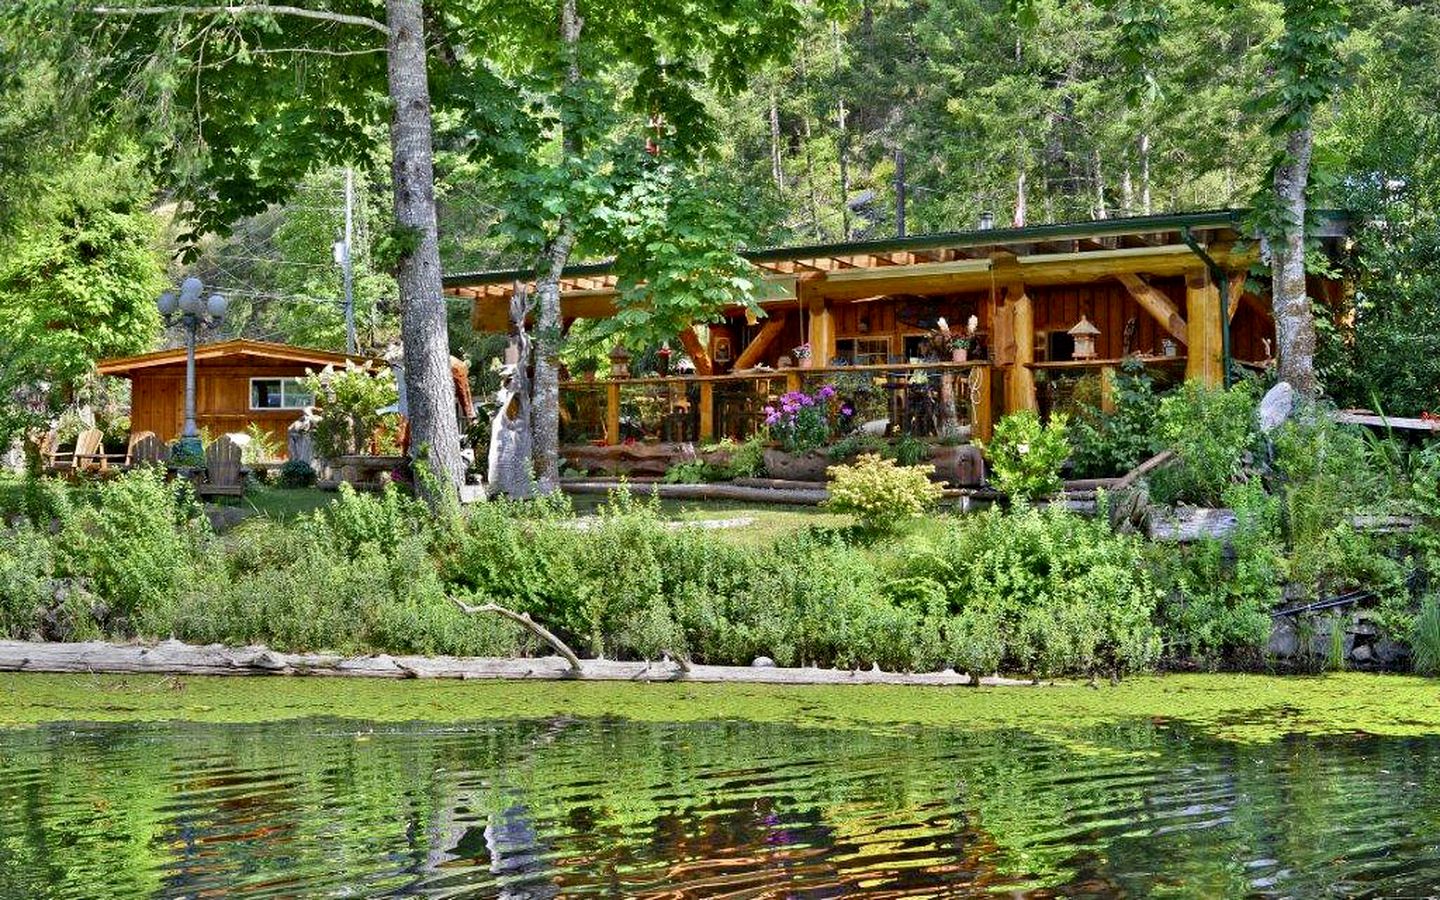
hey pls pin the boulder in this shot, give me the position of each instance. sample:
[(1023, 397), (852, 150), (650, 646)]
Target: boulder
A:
[(762, 662), (1361, 653), (1284, 638), (1275, 407)]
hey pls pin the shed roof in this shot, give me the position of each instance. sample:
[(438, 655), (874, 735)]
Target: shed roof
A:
[(260, 350)]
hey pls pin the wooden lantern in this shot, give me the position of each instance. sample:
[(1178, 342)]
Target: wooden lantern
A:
[(619, 362), (1084, 334)]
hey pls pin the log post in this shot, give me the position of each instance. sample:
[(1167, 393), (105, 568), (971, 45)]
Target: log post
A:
[(1020, 393), (792, 380), (1107, 389), (982, 426), (707, 412), (612, 412), (822, 326), (1202, 314)]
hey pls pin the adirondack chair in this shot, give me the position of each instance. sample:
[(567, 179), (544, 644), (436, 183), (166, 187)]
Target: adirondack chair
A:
[(222, 470), (145, 449), (52, 458), (222, 467), (89, 453)]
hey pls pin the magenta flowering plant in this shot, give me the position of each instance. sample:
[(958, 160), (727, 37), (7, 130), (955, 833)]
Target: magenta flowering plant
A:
[(801, 421)]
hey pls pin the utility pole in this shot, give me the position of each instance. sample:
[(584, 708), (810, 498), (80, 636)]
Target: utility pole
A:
[(342, 256)]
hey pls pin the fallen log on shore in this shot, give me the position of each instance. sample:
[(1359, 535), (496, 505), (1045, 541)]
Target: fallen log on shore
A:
[(177, 658)]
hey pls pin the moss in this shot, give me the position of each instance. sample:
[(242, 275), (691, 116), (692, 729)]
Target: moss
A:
[(1232, 707)]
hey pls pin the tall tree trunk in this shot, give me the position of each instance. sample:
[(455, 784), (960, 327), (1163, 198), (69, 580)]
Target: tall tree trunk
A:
[(1294, 321), (429, 388), (777, 172), (1145, 173), (1127, 189), (548, 320), (1100, 211), (1021, 204)]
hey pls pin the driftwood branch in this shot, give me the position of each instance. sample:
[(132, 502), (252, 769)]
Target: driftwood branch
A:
[(243, 9), (539, 630)]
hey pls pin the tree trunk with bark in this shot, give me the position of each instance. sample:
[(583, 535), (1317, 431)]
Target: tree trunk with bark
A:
[(1294, 320), (429, 390), (548, 320)]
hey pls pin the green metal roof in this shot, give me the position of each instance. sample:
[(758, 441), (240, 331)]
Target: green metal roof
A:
[(1098, 228)]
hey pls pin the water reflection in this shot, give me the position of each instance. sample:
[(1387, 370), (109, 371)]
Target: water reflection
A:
[(571, 808)]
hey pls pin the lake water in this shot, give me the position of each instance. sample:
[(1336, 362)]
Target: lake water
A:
[(566, 807)]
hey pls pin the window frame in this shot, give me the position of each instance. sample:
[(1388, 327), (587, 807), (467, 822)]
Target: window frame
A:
[(284, 406)]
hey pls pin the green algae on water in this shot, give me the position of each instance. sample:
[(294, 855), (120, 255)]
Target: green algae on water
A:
[(1232, 707)]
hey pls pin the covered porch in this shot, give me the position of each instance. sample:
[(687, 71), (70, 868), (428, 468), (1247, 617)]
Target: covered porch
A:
[(1170, 290)]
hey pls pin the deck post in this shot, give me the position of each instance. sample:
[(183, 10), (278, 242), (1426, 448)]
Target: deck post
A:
[(707, 412), (612, 413), (1107, 389), (822, 325), (1020, 393), (983, 425), (1202, 313)]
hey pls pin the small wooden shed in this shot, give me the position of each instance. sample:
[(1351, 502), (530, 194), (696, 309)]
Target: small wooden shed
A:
[(237, 383)]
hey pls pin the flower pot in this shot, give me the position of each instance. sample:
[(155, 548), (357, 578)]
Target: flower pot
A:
[(959, 354), (806, 362), (809, 465)]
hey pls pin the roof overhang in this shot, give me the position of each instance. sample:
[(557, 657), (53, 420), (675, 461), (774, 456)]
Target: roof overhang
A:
[(933, 263), (261, 350)]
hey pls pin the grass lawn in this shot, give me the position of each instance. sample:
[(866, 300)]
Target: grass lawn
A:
[(772, 520), (283, 503)]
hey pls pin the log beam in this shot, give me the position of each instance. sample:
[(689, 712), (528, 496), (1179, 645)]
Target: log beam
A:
[(1020, 389), (771, 330), (1157, 305), (697, 351)]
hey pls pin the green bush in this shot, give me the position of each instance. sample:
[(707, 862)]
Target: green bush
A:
[(1026, 456), (296, 473), (1425, 637), (136, 543), (1216, 605), (1112, 443), (1047, 592), (347, 400), (1212, 433), (880, 494)]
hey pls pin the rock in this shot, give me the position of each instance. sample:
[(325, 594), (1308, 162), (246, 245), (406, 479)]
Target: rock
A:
[(1361, 653), (1320, 641), (223, 518), (762, 662), (1284, 638), (1390, 653), (1275, 407)]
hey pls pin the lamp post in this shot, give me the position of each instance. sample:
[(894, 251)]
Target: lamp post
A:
[(194, 312)]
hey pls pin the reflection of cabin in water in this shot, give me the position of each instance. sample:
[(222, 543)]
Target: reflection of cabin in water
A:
[(1171, 289)]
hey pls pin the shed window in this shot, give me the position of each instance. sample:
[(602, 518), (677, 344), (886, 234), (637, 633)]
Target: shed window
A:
[(279, 393)]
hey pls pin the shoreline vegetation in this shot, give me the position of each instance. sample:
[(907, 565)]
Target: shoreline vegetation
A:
[(1232, 707)]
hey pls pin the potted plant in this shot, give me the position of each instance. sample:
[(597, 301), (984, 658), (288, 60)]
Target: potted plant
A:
[(956, 343), (802, 423), (802, 355), (585, 367)]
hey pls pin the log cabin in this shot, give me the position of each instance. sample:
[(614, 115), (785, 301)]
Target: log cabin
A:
[(238, 383), (1174, 291)]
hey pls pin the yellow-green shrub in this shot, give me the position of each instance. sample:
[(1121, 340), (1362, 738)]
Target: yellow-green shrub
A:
[(881, 494)]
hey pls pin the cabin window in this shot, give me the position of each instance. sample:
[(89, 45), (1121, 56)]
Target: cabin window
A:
[(279, 393)]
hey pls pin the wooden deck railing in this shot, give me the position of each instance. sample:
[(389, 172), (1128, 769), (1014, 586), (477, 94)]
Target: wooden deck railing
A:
[(911, 398)]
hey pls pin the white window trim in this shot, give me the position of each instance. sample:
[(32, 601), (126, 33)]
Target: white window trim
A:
[(250, 399)]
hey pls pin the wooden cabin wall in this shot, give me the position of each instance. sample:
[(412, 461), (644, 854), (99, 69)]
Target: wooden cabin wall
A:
[(222, 400)]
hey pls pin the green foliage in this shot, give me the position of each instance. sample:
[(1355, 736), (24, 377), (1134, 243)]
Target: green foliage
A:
[(1112, 443), (1216, 604), (348, 400), (296, 473), (1026, 456), (1041, 591), (1212, 433), (135, 542), (1425, 637), (744, 460), (78, 282), (880, 494)]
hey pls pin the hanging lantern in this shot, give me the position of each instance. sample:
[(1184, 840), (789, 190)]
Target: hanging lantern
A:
[(619, 362), (1084, 334)]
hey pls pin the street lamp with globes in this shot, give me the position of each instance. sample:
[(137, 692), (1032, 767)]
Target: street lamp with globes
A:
[(191, 310)]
